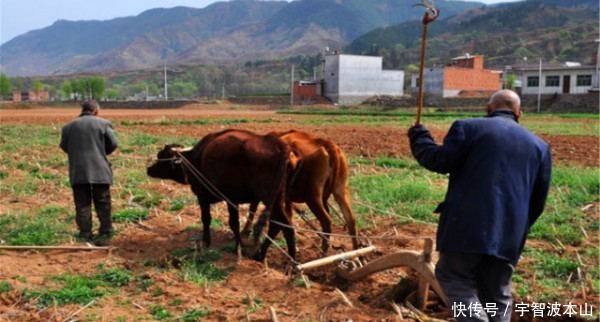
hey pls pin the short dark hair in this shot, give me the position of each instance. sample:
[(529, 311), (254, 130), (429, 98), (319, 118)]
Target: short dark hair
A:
[(90, 106)]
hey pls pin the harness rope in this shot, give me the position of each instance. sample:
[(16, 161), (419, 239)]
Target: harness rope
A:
[(215, 191)]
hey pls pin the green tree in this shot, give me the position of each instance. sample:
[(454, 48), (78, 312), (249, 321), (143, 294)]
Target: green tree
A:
[(38, 86), (112, 93), (83, 88), (17, 84), (182, 90), (67, 89), (509, 81), (96, 86), (4, 87)]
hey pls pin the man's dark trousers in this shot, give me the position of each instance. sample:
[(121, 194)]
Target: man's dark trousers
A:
[(83, 195), (476, 283)]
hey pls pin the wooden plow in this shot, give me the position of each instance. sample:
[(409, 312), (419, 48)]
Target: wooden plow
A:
[(420, 262)]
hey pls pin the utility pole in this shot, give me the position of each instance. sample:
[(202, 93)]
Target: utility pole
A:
[(539, 98), (166, 95), (292, 88), (222, 91)]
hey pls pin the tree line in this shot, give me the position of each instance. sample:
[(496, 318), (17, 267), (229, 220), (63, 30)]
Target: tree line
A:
[(252, 78)]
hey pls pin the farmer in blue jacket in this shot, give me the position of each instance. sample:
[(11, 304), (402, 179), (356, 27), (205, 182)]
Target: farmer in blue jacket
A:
[(499, 180)]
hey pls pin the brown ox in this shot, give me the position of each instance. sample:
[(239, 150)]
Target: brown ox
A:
[(239, 167), (323, 171)]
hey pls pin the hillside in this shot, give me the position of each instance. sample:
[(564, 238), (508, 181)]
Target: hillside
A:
[(556, 30), (233, 31)]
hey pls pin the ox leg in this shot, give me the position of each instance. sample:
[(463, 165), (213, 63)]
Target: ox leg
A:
[(248, 225), (342, 197), (316, 206), (206, 219), (234, 224), (272, 232)]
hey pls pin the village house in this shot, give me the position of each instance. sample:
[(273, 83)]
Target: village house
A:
[(351, 79), (30, 96), (463, 77), (556, 78)]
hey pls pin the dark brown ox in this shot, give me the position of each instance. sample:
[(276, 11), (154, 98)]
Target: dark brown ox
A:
[(323, 172), (240, 166)]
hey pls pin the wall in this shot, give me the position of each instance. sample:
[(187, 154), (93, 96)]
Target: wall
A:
[(587, 103), (434, 80), (331, 77), (459, 79), (574, 89), (358, 78)]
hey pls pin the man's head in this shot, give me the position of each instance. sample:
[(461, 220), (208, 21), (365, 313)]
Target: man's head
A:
[(90, 106), (505, 100)]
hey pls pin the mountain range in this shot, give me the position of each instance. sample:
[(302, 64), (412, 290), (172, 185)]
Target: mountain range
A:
[(245, 30), (234, 31)]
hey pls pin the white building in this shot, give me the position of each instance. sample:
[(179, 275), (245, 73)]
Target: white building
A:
[(351, 79), (557, 78)]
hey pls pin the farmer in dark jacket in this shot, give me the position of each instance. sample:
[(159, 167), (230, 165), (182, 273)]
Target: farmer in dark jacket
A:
[(499, 180), (88, 140)]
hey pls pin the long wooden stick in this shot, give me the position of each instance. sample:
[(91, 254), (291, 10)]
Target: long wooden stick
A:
[(421, 68), (427, 18), (332, 259), (58, 247)]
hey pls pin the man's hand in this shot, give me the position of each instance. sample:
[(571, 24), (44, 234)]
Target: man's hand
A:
[(417, 131)]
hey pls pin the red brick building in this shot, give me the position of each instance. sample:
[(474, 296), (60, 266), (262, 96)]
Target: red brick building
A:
[(30, 96), (465, 76), (308, 92)]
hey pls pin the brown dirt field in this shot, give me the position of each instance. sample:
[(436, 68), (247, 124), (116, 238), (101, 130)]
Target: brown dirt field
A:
[(153, 240)]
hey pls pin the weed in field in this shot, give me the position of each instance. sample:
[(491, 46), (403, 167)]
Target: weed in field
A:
[(158, 291), (194, 314), (159, 312), (200, 273), (404, 194), (199, 267), (4, 287), (176, 302), (177, 205), (114, 276), (48, 227), (253, 302), (75, 289), (572, 188), (130, 215), (143, 282)]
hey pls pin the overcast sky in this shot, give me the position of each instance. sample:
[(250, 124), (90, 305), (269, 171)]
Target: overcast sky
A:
[(20, 16)]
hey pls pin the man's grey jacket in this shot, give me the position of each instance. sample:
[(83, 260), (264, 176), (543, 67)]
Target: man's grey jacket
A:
[(88, 140), (499, 180)]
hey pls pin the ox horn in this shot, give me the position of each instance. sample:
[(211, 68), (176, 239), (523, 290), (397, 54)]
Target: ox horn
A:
[(182, 149)]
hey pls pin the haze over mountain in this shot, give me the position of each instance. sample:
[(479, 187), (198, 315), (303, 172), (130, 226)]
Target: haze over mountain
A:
[(555, 30), (247, 30), (223, 32)]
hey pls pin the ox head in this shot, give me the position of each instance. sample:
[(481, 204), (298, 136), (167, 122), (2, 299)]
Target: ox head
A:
[(167, 164)]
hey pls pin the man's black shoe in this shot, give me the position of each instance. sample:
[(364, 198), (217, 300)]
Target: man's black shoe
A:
[(85, 237)]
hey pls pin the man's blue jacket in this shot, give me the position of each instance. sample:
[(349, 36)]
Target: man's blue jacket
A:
[(499, 180)]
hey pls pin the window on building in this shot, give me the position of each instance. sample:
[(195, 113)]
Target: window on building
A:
[(533, 81), (552, 81), (584, 80)]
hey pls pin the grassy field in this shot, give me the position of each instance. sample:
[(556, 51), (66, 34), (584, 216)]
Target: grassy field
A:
[(558, 261)]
